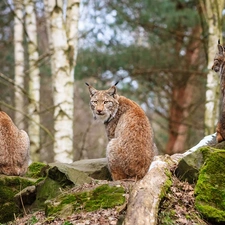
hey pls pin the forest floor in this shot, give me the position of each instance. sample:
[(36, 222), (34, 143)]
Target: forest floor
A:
[(176, 208)]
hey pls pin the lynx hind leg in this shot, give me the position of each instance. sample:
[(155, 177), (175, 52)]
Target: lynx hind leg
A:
[(25, 154), (115, 160)]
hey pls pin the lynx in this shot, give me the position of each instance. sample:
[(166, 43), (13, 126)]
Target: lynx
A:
[(219, 67), (14, 147), (130, 148)]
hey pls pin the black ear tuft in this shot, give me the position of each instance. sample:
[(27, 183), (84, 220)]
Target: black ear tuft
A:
[(218, 41), (116, 83), (87, 84)]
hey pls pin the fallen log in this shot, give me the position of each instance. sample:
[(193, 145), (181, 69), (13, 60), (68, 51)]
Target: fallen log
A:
[(145, 197)]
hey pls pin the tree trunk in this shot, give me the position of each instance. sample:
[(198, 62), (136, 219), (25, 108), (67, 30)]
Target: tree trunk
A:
[(63, 62), (185, 94), (34, 81), (213, 11), (19, 63)]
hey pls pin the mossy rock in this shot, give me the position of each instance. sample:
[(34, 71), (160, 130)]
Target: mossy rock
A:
[(37, 170), (104, 196), (210, 187), (9, 187), (189, 166), (60, 177)]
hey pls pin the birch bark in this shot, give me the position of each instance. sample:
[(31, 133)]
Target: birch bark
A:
[(34, 80), (63, 37), (19, 63), (213, 11)]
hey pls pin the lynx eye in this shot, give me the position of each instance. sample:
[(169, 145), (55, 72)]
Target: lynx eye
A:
[(106, 102), (94, 102)]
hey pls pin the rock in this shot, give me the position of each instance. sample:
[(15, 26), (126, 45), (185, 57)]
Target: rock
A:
[(95, 168), (37, 170), (67, 174), (191, 161), (147, 193), (189, 166), (209, 190), (104, 196), (26, 197), (60, 176)]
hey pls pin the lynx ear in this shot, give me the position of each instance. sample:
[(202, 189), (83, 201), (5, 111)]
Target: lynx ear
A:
[(91, 89), (112, 91)]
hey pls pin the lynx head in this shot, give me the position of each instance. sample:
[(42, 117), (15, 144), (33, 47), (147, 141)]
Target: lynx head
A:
[(104, 103), (219, 58)]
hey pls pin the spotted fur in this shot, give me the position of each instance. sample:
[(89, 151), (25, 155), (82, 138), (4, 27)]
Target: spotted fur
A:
[(219, 67), (14, 147), (130, 147)]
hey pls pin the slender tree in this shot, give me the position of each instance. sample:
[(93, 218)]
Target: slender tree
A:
[(63, 36), (213, 16), (34, 80), (19, 62)]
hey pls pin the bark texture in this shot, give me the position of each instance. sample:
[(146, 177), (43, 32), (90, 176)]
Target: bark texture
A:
[(19, 63), (213, 11), (63, 36), (147, 193), (34, 80)]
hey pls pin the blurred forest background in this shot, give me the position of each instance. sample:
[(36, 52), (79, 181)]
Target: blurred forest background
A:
[(160, 51)]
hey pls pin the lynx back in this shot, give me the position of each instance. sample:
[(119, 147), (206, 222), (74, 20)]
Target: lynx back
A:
[(14, 147), (219, 67), (130, 148)]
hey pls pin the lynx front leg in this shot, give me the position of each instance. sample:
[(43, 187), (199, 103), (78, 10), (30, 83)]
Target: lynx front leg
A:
[(219, 133), (220, 129)]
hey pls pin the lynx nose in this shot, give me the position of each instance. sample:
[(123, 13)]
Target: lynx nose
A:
[(99, 110)]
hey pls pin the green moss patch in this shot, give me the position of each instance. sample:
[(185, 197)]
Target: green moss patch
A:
[(9, 186), (104, 196), (210, 187), (37, 170)]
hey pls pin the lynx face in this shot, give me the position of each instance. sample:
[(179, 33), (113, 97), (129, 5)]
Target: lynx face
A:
[(219, 59), (104, 104)]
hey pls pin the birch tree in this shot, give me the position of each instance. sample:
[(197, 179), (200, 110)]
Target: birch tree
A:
[(34, 80), (63, 37), (19, 62), (213, 11)]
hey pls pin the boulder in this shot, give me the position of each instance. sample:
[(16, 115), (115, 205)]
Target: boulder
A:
[(189, 166), (190, 162), (95, 168), (60, 176)]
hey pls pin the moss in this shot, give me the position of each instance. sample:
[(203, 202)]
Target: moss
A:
[(46, 189), (104, 196), (9, 186), (166, 185), (210, 187), (36, 170)]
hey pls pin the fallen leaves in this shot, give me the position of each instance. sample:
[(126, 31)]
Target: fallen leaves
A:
[(177, 207)]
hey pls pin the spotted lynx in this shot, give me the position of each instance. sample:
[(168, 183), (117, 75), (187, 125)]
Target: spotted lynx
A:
[(130, 148), (14, 147), (219, 67)]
